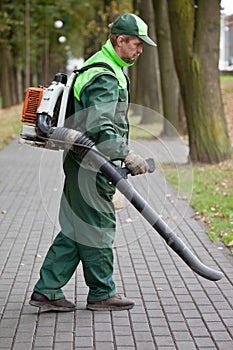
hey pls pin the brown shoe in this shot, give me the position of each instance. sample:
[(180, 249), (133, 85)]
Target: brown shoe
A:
[(117, 302), (41, 301)]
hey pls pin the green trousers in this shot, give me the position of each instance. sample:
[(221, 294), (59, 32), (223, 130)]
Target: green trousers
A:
[(61, 262), (87, 220)]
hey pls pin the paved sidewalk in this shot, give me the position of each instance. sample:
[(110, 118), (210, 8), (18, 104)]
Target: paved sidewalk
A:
[(175, 308)]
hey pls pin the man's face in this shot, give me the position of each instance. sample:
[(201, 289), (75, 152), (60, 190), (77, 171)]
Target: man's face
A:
[(129, 50)]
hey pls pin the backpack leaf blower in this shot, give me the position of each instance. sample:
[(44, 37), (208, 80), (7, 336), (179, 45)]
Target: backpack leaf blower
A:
[(43, 117)]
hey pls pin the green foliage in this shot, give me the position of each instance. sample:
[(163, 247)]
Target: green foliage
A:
[(96, 27), (84, 26)]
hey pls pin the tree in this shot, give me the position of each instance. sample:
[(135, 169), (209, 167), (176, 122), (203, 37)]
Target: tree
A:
[(48, 55), (102, 12), (195, 30), (10, 59), (31, 52), (145, 73), (169, 81), (27, 43)]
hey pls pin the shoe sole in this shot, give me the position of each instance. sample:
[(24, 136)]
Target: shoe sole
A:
[(47, 307), (108, 308)]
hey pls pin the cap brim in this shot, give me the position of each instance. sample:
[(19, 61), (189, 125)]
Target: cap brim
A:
[(147, 40)]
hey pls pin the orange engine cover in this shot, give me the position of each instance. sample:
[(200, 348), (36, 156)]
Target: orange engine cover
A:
[(32, 100)]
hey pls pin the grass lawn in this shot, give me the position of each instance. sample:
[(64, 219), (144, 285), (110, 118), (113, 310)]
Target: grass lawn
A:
[(144, 131), (212, 197), (10, 124)]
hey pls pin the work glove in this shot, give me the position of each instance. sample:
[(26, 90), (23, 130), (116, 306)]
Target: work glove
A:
[(136, 164)]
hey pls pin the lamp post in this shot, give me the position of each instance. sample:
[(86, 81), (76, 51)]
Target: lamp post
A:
[(58, 24)]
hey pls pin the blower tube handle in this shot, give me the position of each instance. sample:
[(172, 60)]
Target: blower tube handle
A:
[(124, 172)]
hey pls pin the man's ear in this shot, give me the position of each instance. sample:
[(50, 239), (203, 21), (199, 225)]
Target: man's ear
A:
[(120, 40)]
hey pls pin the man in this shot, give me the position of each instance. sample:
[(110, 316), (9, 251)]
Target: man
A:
[(87, 216)]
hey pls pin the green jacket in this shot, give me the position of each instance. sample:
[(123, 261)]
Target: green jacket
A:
[(101, 103)]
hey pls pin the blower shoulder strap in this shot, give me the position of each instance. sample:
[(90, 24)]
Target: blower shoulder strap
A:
[(93, 65), (70, 103)]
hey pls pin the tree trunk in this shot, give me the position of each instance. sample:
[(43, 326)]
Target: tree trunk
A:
[(195, 33), (5, 77), (147, 87), (169, 81), (19, 82), (27, 44)]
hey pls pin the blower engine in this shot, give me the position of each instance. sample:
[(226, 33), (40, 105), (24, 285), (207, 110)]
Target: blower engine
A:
[(45, 108), (44, 114)]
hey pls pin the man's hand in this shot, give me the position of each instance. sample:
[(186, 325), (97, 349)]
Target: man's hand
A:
[(136, 164)]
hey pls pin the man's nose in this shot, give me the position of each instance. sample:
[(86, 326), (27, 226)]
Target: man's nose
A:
[(140, 50)]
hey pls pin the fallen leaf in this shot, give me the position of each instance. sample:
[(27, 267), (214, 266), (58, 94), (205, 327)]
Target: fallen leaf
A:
[(169, 217), (183, 198), (223, 234), (128, 220), (230, 244)]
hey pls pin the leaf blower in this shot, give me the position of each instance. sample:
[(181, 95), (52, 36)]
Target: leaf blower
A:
[(43, 117)]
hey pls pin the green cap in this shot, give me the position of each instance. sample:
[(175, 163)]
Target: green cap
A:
[(130, 24)]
